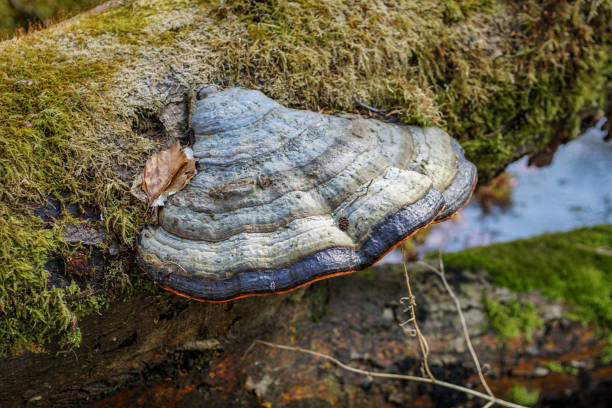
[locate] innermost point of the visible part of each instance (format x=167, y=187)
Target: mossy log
x=85, y=102
x=152, y=352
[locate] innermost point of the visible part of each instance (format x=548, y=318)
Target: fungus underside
x=499, y=84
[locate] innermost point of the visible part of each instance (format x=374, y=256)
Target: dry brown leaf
x=182, y=178
x=161, y=169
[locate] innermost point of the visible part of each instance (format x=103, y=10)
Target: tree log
x=85, y=102
x=175, y=352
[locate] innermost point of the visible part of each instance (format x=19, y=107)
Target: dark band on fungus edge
x=458, y=193
x=327, y=262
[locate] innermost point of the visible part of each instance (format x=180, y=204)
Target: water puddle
x=574, y=191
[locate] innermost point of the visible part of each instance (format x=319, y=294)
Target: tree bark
x=175, y=352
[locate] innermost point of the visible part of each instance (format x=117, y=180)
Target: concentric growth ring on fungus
x=285, y=197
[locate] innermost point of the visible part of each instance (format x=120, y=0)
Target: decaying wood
x=156, y=352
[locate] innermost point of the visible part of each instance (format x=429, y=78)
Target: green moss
x=458, y=10
x=45, y=152
x=319, y=298
x=49, y=149
x=528, y=114
x=128, y=25
x=606, y=352
x=524, y=396
x=124, y=24
x=509, y=319
x=564, y=266
x=557, y=367
x=573, y=267
x=430, y=63
x=535, y=92
x=370, y=274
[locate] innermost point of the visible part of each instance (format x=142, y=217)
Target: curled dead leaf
x=160, y=169
x=165, y=173
x=182, y=178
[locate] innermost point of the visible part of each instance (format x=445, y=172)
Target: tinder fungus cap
x=284, y=197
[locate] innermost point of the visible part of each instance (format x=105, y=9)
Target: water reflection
x=574, y=191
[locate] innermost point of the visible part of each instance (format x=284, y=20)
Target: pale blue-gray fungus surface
x=284, y=197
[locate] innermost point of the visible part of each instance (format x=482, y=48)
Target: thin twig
x=371, y=109
x=248, y=350
x=423, y=346
x=347, y=367
x=411, y=304
x=466, y=335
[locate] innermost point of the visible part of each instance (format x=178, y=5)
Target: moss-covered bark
x=83, y=103
x=575, y=266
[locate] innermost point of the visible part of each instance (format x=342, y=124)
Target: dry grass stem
x=441, y=274
x=489, y=398
x=411, y=304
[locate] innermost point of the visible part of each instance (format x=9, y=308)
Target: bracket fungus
x=285, y=197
